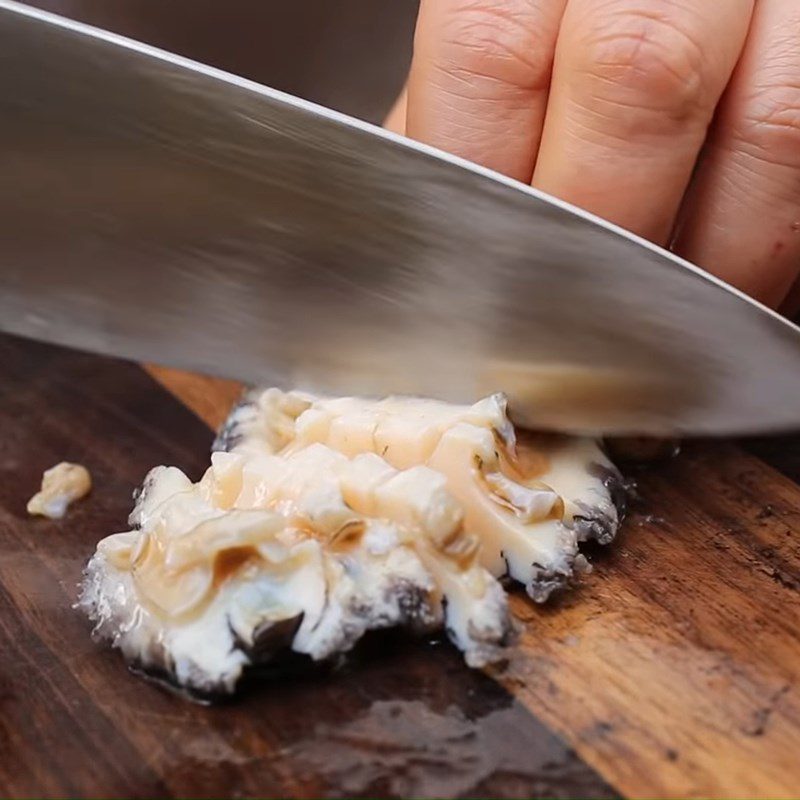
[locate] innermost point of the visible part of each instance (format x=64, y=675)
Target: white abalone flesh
x=320, y=519
x=61, y=486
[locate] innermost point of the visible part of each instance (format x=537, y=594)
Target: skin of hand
x=676, y=119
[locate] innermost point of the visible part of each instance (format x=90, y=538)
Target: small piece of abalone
x=320, y=519
x=62, y=485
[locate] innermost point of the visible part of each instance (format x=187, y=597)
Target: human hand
x=676, y=119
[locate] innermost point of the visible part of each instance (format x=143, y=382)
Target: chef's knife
x=158, y=209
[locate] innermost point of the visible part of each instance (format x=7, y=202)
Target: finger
x=396, y=118
x=635, y=84
x=742, y=216
x=479, y=79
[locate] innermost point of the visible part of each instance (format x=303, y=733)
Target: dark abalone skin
x=546, y=582
x=230, y=433
x=594, y=523
x=271, y=643
x=269, y=639
x=508, y=637
x=616, y=486
x=414, y=604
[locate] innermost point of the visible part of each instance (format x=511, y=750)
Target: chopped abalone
x=320, y=519
x=62, y=485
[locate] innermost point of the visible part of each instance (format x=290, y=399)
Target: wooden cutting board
x=672, y=670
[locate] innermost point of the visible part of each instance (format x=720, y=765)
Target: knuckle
x=498, y=40
x=770, y=130
x=646, y=65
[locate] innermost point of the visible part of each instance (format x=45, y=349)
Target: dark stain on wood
x=398, y=718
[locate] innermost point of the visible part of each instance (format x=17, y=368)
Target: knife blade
x=158, y=209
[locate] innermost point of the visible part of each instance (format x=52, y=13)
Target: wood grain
x=674, y=669
x=399, y=718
